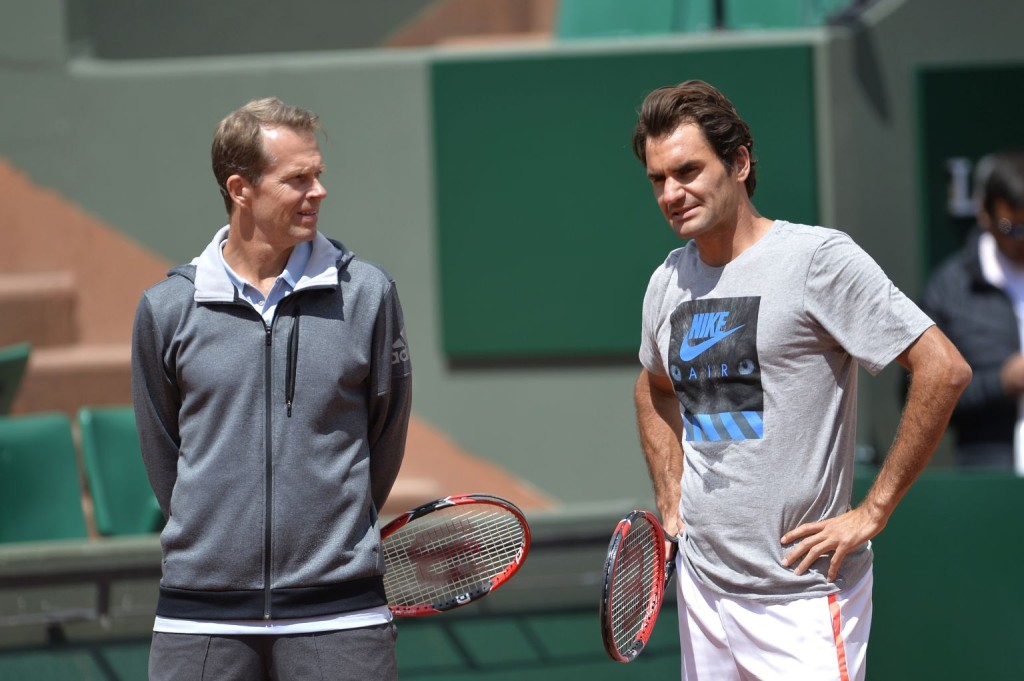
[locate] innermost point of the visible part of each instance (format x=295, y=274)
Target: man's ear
x=741, y=163
x=239, y=190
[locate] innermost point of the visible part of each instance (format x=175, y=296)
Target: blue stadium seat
x=608, y=18
x=579, y=19
x=758, y=14
x=40, y=492
x=13, y=360
x=123, y=501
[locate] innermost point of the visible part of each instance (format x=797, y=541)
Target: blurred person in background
x=977, y=298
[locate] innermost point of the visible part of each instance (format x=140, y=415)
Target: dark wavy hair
x=697, y=102
x=238, y=142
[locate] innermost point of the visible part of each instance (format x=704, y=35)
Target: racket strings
x=425, y=563
x=636, y=584
x=450, y=553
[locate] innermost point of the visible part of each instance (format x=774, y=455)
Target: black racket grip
x=670, y=560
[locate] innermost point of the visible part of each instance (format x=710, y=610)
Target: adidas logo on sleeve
x=400, y=349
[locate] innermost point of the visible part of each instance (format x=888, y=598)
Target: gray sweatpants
x=347, y=655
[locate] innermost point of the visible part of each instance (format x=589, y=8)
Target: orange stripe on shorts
x=837, y=634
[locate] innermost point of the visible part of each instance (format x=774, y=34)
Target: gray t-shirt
x=763, y=355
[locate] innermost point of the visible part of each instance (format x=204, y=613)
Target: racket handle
x=670, y=561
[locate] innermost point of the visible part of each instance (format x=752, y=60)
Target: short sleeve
x=650, y=352
x=850, y=296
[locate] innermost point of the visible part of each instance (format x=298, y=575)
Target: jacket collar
x=213, y=285
x=972, y=260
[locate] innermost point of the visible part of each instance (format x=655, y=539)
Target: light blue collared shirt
x=283, y=285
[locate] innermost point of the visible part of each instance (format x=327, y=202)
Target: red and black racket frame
x=497, y=580
x=664, y=569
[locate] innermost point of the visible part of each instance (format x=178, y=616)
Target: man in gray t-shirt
x=752, y=335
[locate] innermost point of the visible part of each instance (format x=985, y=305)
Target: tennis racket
x=451, y=552
x=636, y=573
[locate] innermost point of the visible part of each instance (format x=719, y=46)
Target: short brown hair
x=697, y=102
x=238, y=142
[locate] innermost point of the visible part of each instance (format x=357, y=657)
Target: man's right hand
x=1012, y=375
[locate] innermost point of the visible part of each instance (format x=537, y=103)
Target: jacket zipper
x=293, y=351
x=267, y=535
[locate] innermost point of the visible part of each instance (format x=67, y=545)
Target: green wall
x=547, y=229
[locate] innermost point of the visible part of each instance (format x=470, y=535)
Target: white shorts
x=824, y=638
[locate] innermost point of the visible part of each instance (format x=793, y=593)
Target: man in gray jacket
x=271, y=382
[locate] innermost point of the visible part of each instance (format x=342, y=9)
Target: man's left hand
x=836, y=537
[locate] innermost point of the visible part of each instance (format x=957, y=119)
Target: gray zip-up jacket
x=271, y=448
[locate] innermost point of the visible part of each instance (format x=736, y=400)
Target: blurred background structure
x=479, y=149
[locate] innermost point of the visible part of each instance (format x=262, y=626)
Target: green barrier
x=551, y=646
x=947, y=595
x=946, y=600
